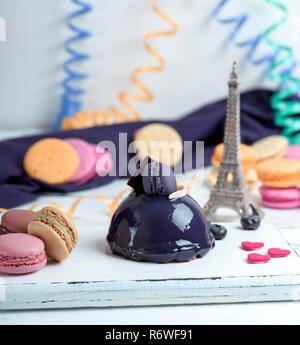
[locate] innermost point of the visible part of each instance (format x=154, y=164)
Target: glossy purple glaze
x=156, y=228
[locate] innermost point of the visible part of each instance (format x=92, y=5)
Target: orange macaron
x=279, y=172
x=51, y=160
x=249, y=156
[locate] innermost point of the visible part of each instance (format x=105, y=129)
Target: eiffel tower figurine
x=231, y=195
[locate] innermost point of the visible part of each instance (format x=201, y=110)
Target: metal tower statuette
x=231, y=195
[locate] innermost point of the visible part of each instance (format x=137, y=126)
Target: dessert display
x=28, y=237
x=21, y=253
x=160, y=142
x=158, y=221
x=57, y=231
x=71, y=160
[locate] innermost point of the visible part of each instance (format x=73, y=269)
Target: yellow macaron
x=160, y=142
x=273, y=146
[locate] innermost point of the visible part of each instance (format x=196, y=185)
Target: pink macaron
x=281, y=198
x=87, y=158
x=16, y=221
x=21, y=253
x=104, y=163
x=293, y=152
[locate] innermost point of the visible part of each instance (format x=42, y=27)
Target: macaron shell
x=278, y=168
x=86, y=160
x=273, y=146
x=23, y=269
x=55, y=246
x=159, y=179
x=282, y=183
x=22, y=248
x=280, y=194
x=66, y=218
x=51, y=160
x=279, y=172
x=159, y=133
x=16, y=221
x=20, y=245
x=281, y=204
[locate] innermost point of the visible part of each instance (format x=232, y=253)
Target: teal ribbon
x=280, y=66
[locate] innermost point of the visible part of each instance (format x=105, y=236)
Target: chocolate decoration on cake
x=157, y=221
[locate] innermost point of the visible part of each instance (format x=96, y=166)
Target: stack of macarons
x=249, y=158
x=28, y=238
x=281, y=182
x=72, y=160
x=278, y=169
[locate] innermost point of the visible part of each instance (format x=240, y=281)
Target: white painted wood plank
x=93, y=277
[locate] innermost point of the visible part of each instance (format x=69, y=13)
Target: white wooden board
x=93, y=277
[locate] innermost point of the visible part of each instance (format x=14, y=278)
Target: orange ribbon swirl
x=113, y=114
x=111, y=205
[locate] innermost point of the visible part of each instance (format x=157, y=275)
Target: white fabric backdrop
x=198, y=58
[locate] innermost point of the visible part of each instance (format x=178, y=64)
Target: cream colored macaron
x=274, y=146
x=160, y=142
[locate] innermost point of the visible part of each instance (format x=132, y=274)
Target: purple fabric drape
x=204, y=124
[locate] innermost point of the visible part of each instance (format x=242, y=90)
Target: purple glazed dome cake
x=157, y=222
